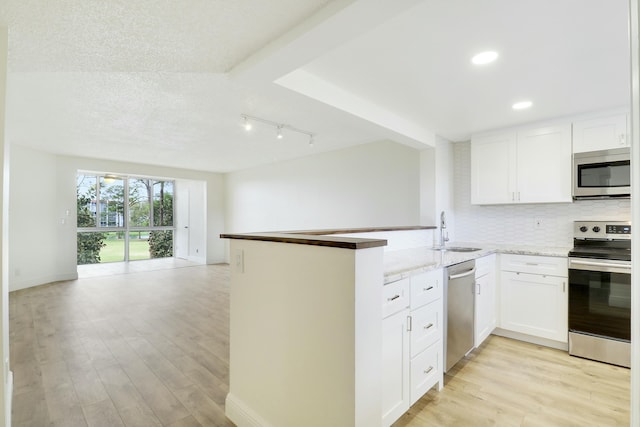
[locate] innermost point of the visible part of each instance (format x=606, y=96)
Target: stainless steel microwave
x=602, y=174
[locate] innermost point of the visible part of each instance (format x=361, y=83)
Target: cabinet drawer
x=485, y=265
x=426, y=287
x=533, y=264
x=426, y=326
x=426, y=371
x=395, y=297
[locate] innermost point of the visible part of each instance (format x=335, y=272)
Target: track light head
x=247, y=124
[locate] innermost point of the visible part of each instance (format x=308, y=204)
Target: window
x=123, y=218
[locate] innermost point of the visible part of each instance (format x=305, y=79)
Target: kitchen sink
x=457, y=249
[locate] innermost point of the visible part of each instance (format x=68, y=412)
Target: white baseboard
x=241, y=415
x=531, y=339
x=15, y=285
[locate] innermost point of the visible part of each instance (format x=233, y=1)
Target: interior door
x=182, y=220
x=190, y=222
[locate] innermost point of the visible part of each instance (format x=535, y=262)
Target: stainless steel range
x=600, y=291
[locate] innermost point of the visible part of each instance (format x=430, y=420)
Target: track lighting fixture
x=279, y=127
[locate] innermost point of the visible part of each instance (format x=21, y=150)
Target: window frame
x=125, y=228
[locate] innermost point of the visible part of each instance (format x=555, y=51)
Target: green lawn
x=114, y=250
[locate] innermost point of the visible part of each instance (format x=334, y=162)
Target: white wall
x=374, y=184
x=305, y=336
x=43, y=190
x=515, y=224
x=35, y=221
x=436, y=187
x=5, y=376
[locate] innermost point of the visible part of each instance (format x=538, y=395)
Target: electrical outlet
x=239, y=260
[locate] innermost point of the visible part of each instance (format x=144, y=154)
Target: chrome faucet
x=443, y=226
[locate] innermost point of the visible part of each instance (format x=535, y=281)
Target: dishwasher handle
x=461, y=275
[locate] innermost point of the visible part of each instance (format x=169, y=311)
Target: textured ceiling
x=165, y=83
x=144, y=35
x=188, y=120
x=145, y=81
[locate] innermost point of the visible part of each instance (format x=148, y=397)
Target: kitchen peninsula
x=306, y=322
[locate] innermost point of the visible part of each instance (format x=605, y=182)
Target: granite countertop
x=406, y=262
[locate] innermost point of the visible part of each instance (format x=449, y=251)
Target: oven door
x=600, y=298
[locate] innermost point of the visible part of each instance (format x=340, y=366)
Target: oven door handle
x=599, y=266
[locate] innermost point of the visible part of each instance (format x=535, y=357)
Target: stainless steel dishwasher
x=459, y=298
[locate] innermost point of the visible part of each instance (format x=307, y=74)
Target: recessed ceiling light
x=522, y=105
x=484, y=57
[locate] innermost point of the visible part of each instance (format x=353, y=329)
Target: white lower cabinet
x=395, y=366
x=485, y=301
x=533, y=303
x=412, y=338
x=426, y=370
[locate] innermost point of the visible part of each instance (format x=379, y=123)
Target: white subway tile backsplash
x=517, y=223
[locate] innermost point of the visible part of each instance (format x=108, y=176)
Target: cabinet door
x=395, y=367
x=534, y=264
x=544, y=165
x=426, y=370
x=395, y=297
x=600, y=134
x=485, y=309
x=426, y=287
x=493, y=169
x=534, y=304
x=426, y=326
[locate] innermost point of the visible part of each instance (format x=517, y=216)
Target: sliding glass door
x=124, y=218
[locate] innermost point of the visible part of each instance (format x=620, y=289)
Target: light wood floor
x=140, y=349
x=511, y=383
x=152, y=349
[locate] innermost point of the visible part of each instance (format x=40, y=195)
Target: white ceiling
x=165, y=83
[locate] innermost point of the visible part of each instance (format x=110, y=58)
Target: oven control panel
x=612, y=230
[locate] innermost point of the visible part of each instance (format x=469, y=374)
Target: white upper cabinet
x=600, y=133
x=493, y=166
x=529, y=165
x=544, y=165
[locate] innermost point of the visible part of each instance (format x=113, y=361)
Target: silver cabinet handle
x=478, y=284
x=409, y=323
x=430, y=325
x=428, y=370
x=427, y=289
x=393, y=298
